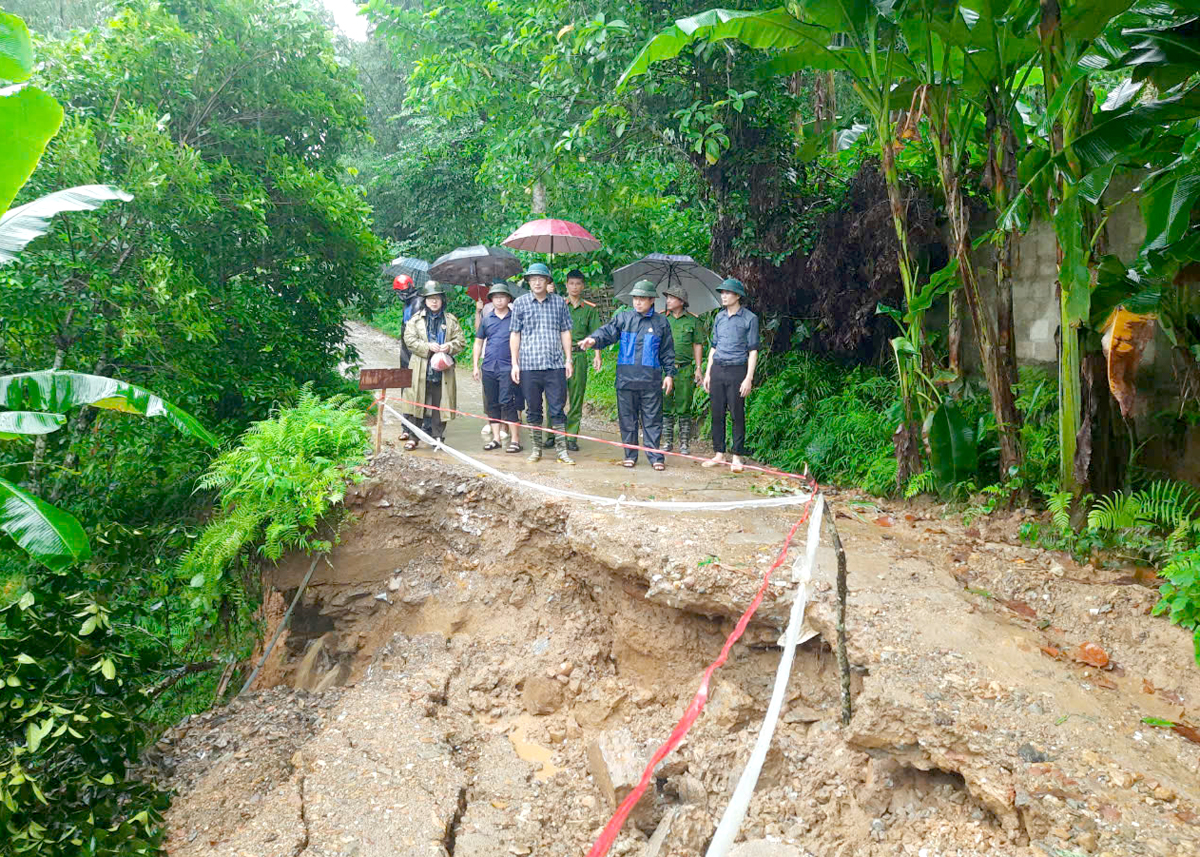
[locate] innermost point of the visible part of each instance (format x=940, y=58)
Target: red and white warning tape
x=609, y=834
x=783, y=474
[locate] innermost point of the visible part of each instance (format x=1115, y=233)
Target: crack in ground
x=303, y=846
x=455, y=820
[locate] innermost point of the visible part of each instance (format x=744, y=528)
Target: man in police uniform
x=688, y=332
x=585, y=317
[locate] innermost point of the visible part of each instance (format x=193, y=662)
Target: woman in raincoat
x=434, y=337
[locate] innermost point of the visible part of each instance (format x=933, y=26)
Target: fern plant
x=1059, y=504
x=274, y=490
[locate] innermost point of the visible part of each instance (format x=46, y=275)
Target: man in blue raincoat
x=645, y=370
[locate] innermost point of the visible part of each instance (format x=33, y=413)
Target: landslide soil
x=489, y=658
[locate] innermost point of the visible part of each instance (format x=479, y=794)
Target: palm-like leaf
x=15, y=424
x=776, y=28
x=58, y=392
x=48, y=534
x=16, y=49
x=25, y=222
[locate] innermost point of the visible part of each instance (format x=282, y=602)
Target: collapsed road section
x=478, y=671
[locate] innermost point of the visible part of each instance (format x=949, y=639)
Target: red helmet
x=402, y=282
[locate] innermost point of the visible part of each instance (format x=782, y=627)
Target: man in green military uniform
x=688, y=331
x=585, y=317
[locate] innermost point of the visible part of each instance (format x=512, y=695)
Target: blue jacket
x=646, y=352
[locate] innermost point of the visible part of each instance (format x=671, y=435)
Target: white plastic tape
x=666, y=505
x=735, y=813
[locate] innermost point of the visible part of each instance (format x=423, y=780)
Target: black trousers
x=645, y=407
x=548, y=383
x=499, y=396
x=432, y=422
x=724, y=382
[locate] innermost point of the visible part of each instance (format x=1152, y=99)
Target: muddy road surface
x=483, y=670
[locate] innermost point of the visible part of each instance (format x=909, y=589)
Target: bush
x=276, y=487
x=811, y=411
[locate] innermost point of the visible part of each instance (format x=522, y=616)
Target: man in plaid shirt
x=540, y=340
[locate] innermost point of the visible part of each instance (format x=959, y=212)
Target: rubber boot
x=535, y=448
x=685, y=435
x=668, y=433
x=549, y=439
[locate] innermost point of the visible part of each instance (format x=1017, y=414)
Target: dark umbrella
x=418, y=269
x=479, y=264
x=665, y=271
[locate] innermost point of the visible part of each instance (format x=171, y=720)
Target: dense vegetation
x=222, y=179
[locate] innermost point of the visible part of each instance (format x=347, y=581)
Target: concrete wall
x=1035, y=296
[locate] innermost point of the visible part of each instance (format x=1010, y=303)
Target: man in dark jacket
x=645, y=369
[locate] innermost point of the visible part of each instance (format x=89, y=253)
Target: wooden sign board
x=384, y=379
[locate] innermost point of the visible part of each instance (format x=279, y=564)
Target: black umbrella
x=477, y=264
x=418, y=269
x=671, y=271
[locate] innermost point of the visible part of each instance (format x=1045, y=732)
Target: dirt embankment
x=487, y=671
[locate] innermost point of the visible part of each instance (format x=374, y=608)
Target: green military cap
x=539, y=269
x=643, y=289
x=732, y=284
x=677, y=292
x=499, y=287
x=433, y=289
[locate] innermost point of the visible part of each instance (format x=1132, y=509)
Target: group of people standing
x=531, y=356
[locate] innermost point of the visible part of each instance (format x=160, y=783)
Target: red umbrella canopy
x=478, y=291
x=549, y=235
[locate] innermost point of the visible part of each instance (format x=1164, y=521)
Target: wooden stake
x=379, y=421
x=843, y=659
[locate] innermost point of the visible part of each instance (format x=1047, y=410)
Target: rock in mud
x=542, y=695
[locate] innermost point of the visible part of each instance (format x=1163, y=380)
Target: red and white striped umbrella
x=552, y=236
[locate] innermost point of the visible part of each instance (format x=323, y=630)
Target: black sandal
x=513, y=447
x=490, y=445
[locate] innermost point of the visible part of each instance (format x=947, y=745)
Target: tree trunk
x=1104, y=440
x=538, y=204
x=39, y=445
x=955, y=332
x=907, y=437
x=825, y=104
x=1004, y=407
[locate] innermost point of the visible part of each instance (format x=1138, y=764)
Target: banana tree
x=1083, y=149
x=36, y=404
x=862, y=40
x=966, y=57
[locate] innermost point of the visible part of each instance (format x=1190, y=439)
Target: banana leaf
x=14, y=424
x=16, y=49
x=775, y=28
x=48, y=534
x=58, y=392
x=26, y=222
x=28, y=119
x=953, y=447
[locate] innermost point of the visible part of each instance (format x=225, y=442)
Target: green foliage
x=276, y=488
x=70, y=727
x=809, y=411
x=1180, y=599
